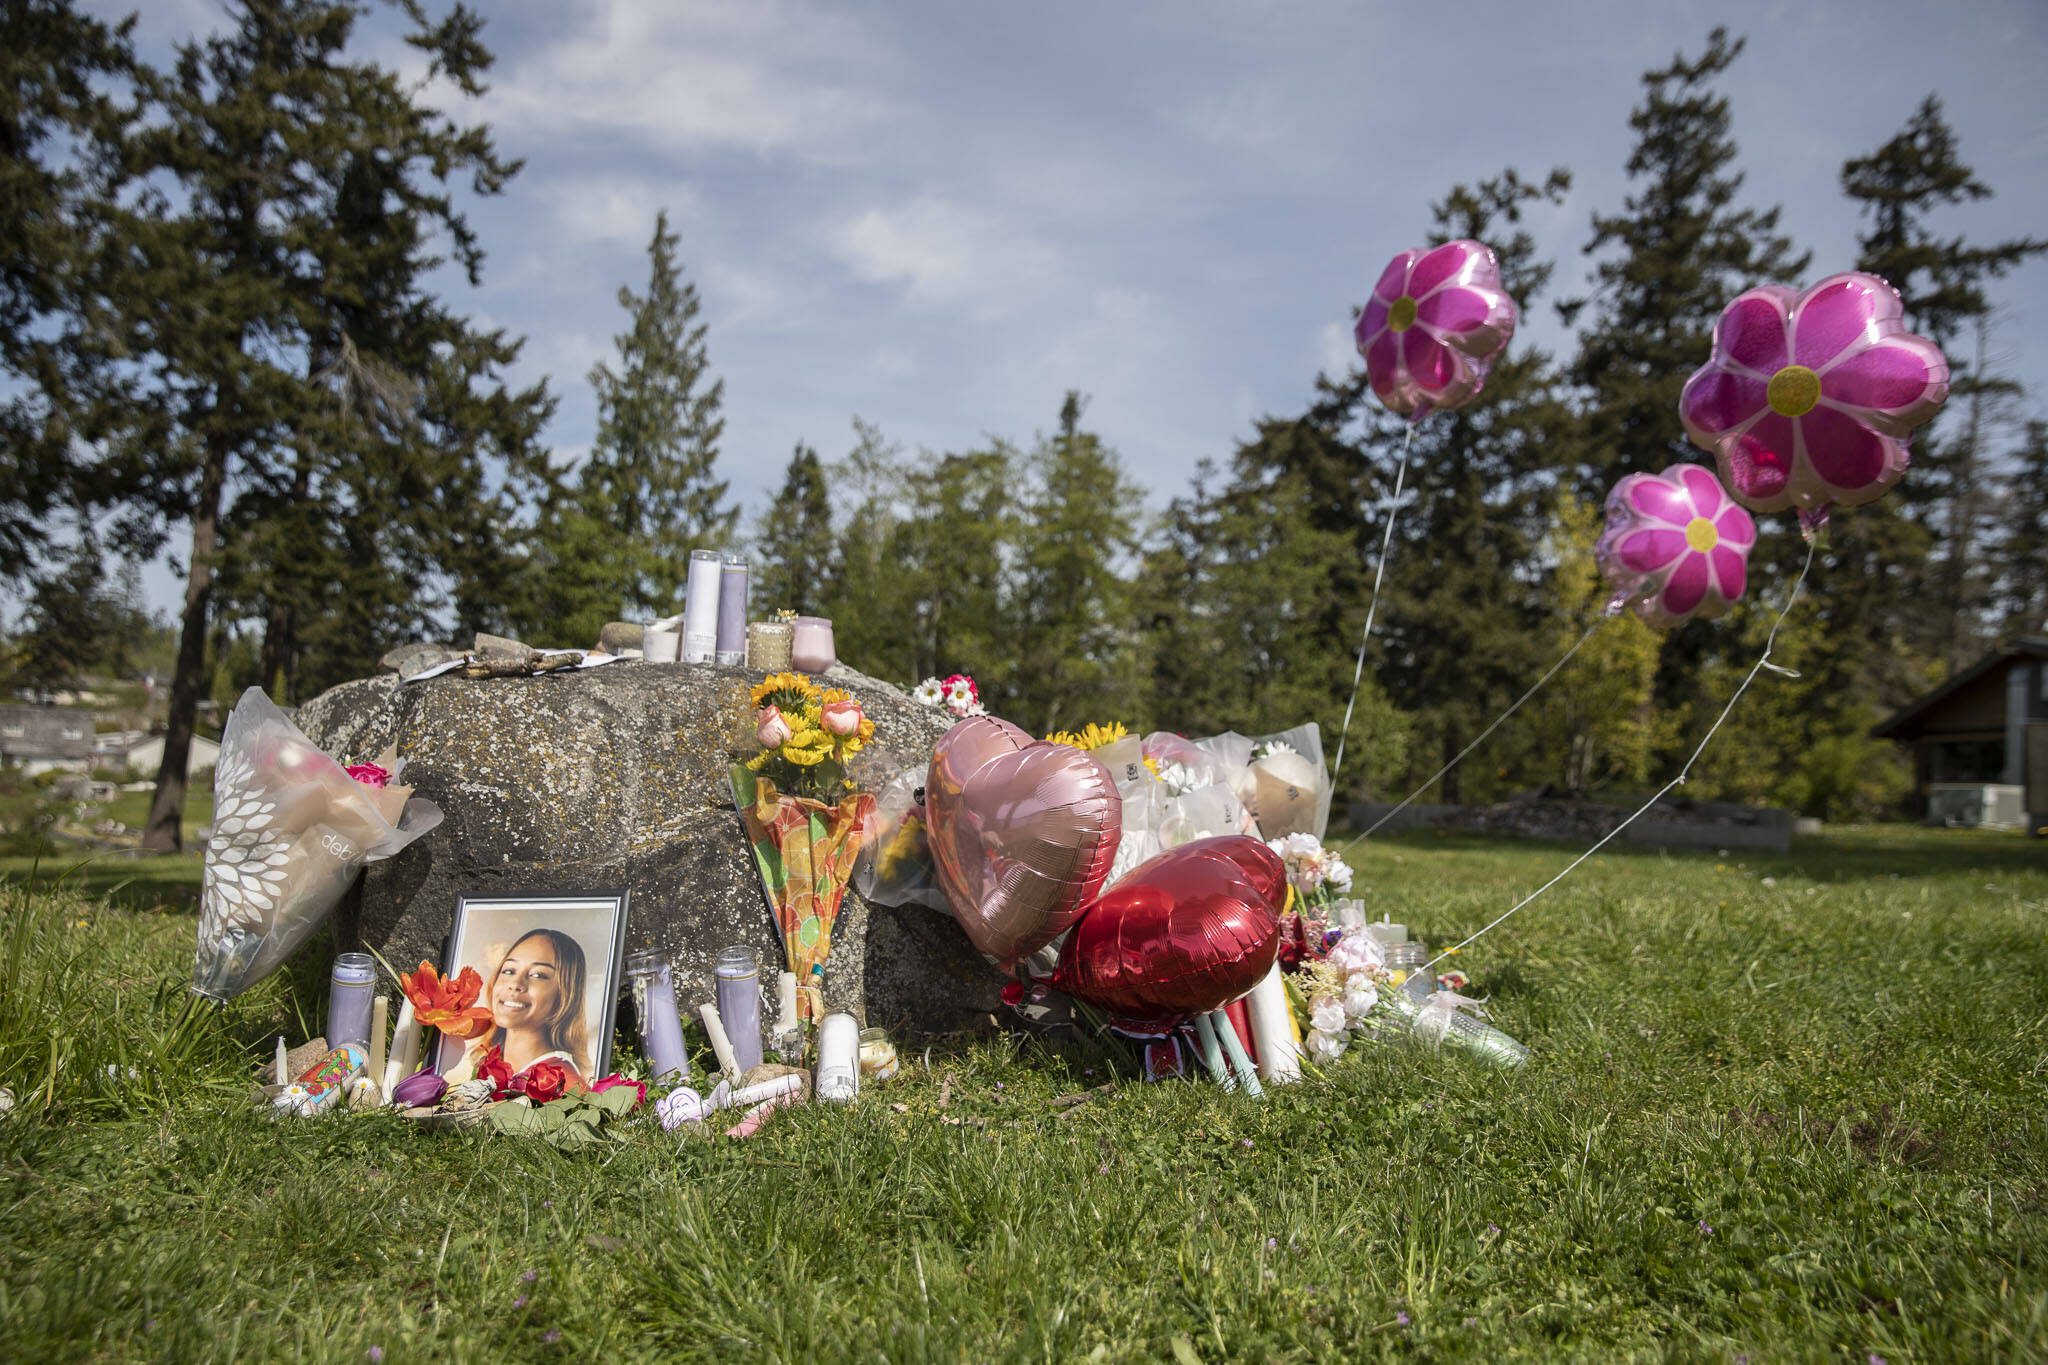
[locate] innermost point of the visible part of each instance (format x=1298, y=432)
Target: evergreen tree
x=2020, y=552
x=292, y=194
x=1681, y=248
x=65, y=79
x=1076, y=540
x=1944, y=283
x=793, y=540
x=869, y=596
x=652, y=474
x=949, y=557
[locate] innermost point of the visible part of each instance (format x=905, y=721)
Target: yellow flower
x=787, y=690
x=1094, y=737
x=808, y=747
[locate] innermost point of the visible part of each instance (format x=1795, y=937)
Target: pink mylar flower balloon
x=1436, y=322
x=1810, y=398
x=1676, y=545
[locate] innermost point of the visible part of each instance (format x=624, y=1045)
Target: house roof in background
x=2025, y=647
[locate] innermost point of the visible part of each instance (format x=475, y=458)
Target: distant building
x=1980, y=741
x=40, y=739
x=145, y=754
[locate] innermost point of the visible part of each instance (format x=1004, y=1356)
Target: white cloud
x=943, y=253
x=615, y=210
x=1336, y=349
x=771, y=76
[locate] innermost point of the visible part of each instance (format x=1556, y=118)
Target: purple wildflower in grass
x=375, y=1353
x=1876, y=1359
x=1272, y=1244
x=1705, y=1231
x=1245, y=1142
x=529, y=1276
x=1401, y=1318
x=519, y=1302
x=552, y=1335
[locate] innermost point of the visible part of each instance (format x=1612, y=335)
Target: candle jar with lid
x=1411, y=956
x=769, y=646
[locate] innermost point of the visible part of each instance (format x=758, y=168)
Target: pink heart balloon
x=1022, y=833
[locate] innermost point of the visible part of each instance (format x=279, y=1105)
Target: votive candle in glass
x=811, y=648
x=736, y=981
x=349, y=992
x=732, y=611
x=661, y=1028
x=768, y=646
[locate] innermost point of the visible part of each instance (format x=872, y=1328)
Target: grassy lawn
x=1776, y=1108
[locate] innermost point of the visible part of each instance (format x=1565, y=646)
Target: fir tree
x=793, y=540
x=652, y=474
x=1076, y=541
x=65, y=84
x=1944, y=283
x=292, y=196
x=1682, y=246
x=2020, y=552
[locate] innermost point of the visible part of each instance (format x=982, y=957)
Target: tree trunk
x=281, y=621
x=164, y=833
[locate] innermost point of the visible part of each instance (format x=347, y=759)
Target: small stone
x=619, y=636
x=499, y=647
x=407, y=660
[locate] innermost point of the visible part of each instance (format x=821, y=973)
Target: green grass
x=1800, y=1119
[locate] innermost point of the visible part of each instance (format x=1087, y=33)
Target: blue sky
x=941, y=216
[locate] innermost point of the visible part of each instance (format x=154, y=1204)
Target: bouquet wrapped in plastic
x=291, y=830
x=806, y=820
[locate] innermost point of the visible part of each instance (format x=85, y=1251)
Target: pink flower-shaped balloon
x=1436, y=322
x=1810, y=398
x=1676, y=545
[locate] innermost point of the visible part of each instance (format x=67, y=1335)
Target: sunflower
x=789, y=691
x=1094, y=737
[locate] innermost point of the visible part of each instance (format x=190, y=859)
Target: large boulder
x=616, y=777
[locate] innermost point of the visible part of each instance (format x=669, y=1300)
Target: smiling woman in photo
x=536, y=997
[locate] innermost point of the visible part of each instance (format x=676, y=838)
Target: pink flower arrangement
x=370, y=774
x=1810, y=398
x=1676, y=545
x=1435, y=323
x=957, y=693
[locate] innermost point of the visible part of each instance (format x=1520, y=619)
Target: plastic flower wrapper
x=1289, y=788
x=896, y=867
x=291, y=829
x=1351, y=996
x=804, y=817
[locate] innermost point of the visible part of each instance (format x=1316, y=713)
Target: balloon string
x=1763, y=662
x=1378, y=573
x=1497, y=722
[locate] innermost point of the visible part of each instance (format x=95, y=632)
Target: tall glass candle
x=732, y=611
x=700, y=608
x=736, y=981
x=837, y=1079
x=811, y=649
x=661, y=1028
x=349, y=992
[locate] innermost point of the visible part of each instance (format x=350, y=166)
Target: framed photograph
x=550, y=966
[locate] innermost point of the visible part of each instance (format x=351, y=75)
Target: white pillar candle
x=785, y=990
x=1273, y=1030
x=380, y=1029
x=405, y=1049
x=700, y=607
x=721, y=1046
x=283, y=1077
x=838, y=1075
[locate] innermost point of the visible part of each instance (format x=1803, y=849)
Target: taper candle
x=405, y=1049
x=785, y=997
x=380, y=1026
x=721, y=1046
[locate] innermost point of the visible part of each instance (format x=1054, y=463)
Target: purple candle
x=732, y=611
x=736, y=979
x=661, y=1030
x=348, y=999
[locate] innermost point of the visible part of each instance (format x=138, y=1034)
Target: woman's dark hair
x=565, y=1030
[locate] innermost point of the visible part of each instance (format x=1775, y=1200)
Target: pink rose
x=841, y=718
x=369, y=774
x=774, y=731
x=639, y=1088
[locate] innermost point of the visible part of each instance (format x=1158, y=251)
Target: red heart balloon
x=1022, y=833
x=1183, y=934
